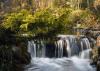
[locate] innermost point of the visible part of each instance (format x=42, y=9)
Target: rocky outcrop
x=13, y=58
x=96, y=57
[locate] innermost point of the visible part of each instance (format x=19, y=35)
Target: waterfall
x=66, y=46
x=85, y=43
x=86, y=48
x=81, y=45
x=86, y=54
x=73, y=46
x=36, y=48
x=60, y=48
x=66, y=54
x=32, y=48
x=43, y=49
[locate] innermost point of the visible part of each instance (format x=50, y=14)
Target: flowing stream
x=65, y=54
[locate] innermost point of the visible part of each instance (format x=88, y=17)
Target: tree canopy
x=40, y=17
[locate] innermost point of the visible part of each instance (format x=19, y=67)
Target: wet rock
x=13, y=58
x=96, y=57
x=21, y=57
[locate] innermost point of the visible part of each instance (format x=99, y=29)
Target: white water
x=32, y=48
x=68, y=48
x=86, y=42
x=59, y=64
x=60, y=48
x=39, y=62
x=85, y=54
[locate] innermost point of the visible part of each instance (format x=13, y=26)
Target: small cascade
x=81, y=43
x=85, y=54
x=60, y=48
x=32, y=48
x=68, y=48
x=65, y=54
x=86, y=49
x=43, y=49
x=85, y=43
x=73, y=46
x=65, y=46
x=36, y=48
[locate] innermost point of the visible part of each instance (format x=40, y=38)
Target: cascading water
x=59, y=64
x=85, y=49
x=68, y=48
x=73, y=45
x=60, y=55
x=36, y=48
x=60, y=48
x=85, y=43
x=85, y=54
x=32, y=48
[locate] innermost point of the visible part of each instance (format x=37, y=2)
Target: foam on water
x=59, y=64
